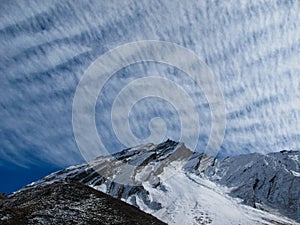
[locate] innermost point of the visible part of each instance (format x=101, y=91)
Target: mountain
x=69, y=202
x=179, y=186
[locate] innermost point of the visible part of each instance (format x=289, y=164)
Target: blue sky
x=252, y=49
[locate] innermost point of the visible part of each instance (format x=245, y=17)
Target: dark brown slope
x=69, y=203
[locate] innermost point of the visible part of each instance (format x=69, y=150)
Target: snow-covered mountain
x=179, y=186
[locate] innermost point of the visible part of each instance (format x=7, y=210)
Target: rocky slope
x=69, y=202
x=177, y=185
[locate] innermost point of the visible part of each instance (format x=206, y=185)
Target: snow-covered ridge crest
x=129, y=167
x=178, y=185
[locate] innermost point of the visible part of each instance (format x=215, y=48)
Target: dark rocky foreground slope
x=69, y=202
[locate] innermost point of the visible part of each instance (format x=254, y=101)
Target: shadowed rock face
x=271, y=180
x=69, y=202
